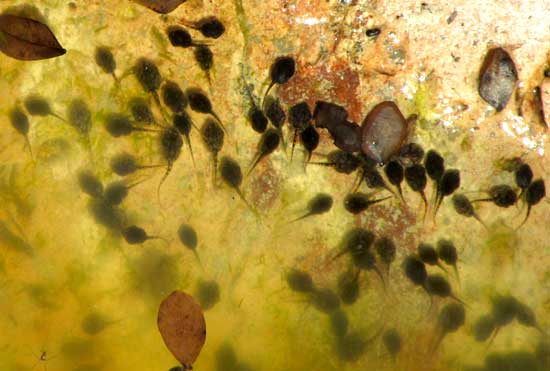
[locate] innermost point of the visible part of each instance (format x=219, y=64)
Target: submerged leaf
x=497, y=78
x=182, y=326
x=27, y=39
x=161, y=6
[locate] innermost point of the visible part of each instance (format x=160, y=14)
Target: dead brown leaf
x=26, y=39
x=161, y=6
x=182, y=327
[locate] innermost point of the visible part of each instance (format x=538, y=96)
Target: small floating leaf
x=182, y=326
x=27, y=39
x=497, y=78
x=161, y=6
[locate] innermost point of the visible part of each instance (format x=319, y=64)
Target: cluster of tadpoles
x=504, y=196
x=349, y=344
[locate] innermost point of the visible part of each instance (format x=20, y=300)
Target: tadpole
x=325, y=300
x=267, y=145
x=446, y=251
x=106, y=215
x=180, y=37
x=257, y=119
x=429, y=255
x=210, y=27
x=319, y=204
x=37, y=105
x=205, y=59
x=415, y=175
x=199, y=102
x=501, y=195
x=213, y=137
x=117, y=191
x=20, y=122
x=463, y=206
x=232, y=175
x=523, y=176
x=415, y=270
x=449, y=183
x=124, y=164
x=411, y=153
x=483, y=327
x=310, y=140
x=386, y=250
x=140, y=111
x=437, y=285
x=148, y=75
x=207, y=294
x=526, y=316
x=348, y=287
x=299, y=281
x=533, y=195
x=170, y=149
x=451, y=317
x=282, y=70
x=188, y=237
x=134, y=235
x=275, y=112
x=173, y=97
x=339, y=323
x=90, y=184
x=395, y=174
x=392, y=341
x=342, y=162
x=299, y=117
x=358, y=202
x=183, y=123
x=118, y=125
x=106, y=61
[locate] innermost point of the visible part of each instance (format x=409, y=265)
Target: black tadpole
x=415, y=176
x=342, y=162
x=386, y=250
x=358, y=202
x=524, y=177
x=90, y=184
x=170, y=149
x=319, y=204
x=533, y=195
x=415, y=270
x=451, y=317
x=199, y=102
x=501, y=195
x=395, y=174
x=148, y=75
x=299, y=117
x=139, y=108
x=115, y=192
x=310, y=140
x=429, y=255
x=449, y=182
x=20, y=122
x=213, y=137
x=183, y=123
x=446, y=251
x=135, y=235
x=205, y=59
x=210, y=27
x=282, y=69
x=268, y=143
x=173, y=97
x=180, y=37
x=231, y=174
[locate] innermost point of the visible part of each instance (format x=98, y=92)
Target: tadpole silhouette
x=319, y=204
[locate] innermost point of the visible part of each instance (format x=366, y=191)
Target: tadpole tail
x=425, y=200
x=198, y=258
x=481, y=221
x=208, y=78
x=257, y=158
x=219, y=120
x=301, y=217
x=253, y=209
x=526, y=217
x=437, y=342
x=188, y=141
x=456, y=298
x=438, y=201
x=28, y=144
x=442, y=267
x=267, y=92
x=381, y=277
x=455, y=268
x=150, y=166
x=308, y=158
x=283, y=142
x=372, y=202
x=168, y=168
x=400, y=191
x=293, y=144
x=135, y=128
x=58, y=116
x=492, y=338
x=214, y=168
x=357, y=183
x=117, y=81
x=481, y=200
x=323, y=163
